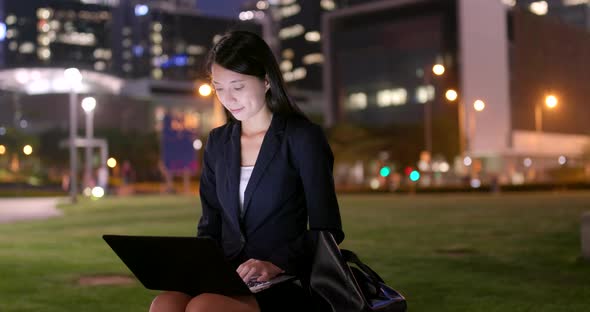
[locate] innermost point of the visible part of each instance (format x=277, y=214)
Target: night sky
x=228, y=8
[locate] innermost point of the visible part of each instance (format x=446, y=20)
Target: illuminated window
x=424, y=94
x=44, y=13
x=539, y=7
x=195, y=49
x=157, y=73
x=313, y=36
x=288, y=54
x=156, y=38
x=11, y=20
x=313, y=58
x=291, y=31
x=299, y=73
x=395, y=97
x=26, y=48
x=288, y=11
x=262, y=5
x=575, y=2
x=328, y=5
x=286, y=65
x=43, y=53
x=100, y=66
x=357, y=101
x=43, y=40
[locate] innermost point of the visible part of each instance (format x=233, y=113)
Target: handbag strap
x=350, y=256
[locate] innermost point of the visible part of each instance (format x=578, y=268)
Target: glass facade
x=384, y=63
x=116, y=37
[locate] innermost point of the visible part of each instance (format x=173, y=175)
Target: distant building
x=378, y=72
x=151, y=52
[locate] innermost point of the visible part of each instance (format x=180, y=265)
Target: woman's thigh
x=170, y=301
x=214, y=302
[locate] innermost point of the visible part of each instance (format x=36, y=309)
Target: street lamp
x=451, y=95
x=438, y=70
x=551, y=102
x=478, y=106
x=28, y=150
x=88, y=104
x=205, y=90
x=74, y=79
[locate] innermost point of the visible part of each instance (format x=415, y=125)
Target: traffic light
x=385, y=171
x=414, y=176
x=408, y=170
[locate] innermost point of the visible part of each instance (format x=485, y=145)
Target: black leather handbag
x=340, y=282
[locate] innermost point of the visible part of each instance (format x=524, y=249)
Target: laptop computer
x=187, y=264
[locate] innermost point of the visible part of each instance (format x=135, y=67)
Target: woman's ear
x=266, y=84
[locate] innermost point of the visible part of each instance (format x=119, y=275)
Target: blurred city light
x=28, y=150
x=423, y=165
x=527, y=162
x=2, y=31
x=408, y=170
x=141, y=10
x=2, y=131
x=262, y=5
x=562, y=160
x=444, y=167
x=205, y=89
x=438, y=69
x=509, y=2
x=414, y=176
x=551, y=101
x=197, y=144
x=539, y=7
x=479, y=105
x=88, y=104
x=73, y=75
x=451, y=95
x=385, y=171
x=475, y=183
x=112, y=162
x=2, y=149
x=97, y=192
x=23, y=123
x=87, y=192
x=375, y=184
x=467, y=161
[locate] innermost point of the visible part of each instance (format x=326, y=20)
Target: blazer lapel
x=232, y=156
x=270, y=146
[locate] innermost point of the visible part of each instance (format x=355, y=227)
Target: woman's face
x=242, y=95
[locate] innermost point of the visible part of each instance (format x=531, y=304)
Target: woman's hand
x=263, y=270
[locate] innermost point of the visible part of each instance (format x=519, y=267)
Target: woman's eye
x=238, y=88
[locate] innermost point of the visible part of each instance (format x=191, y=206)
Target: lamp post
x=551, y=102
x=74, y=78
x=88, y=104
x=438, y=70
x=478, y=106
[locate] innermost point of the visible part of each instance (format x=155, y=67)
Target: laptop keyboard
x=254, y=283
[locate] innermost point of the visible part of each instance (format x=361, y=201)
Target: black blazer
x=291, y=184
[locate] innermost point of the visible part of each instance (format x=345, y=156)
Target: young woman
x=267, y=174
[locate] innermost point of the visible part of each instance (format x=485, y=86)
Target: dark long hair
x=246, y=53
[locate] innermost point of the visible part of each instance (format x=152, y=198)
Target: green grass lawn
x=515, y=252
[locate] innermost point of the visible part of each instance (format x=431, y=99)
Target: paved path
x=19, y=209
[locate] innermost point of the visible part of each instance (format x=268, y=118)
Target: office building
x=504, y=64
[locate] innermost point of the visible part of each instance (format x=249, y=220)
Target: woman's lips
x=236, y=110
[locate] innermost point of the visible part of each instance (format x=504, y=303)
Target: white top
x=245, y=174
